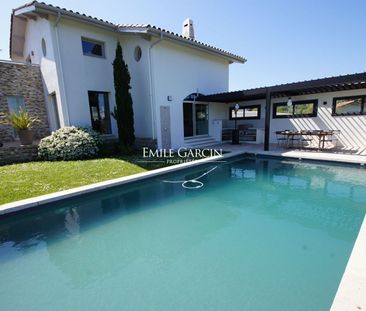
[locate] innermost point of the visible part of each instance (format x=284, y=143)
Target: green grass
x=26, y=180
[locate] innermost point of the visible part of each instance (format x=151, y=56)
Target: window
x=44, y=47
x=92, y=48
x=137, y=53
x=54, y=118
x=15, y=102
x=298, y=109
x=99, y=112
x=346, y=106
x=247, y=112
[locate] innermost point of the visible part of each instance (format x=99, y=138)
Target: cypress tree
x=123, y=111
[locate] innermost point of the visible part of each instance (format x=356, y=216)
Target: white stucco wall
x=86, y=73
x=179, y=71
x=176, y=71
x=140, y=85
x=83, y=73
x=35, y=31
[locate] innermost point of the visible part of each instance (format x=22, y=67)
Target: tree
x=123, y=111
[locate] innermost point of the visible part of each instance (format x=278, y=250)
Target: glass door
x=188, y=119
x=201, y=113
x=99, y=112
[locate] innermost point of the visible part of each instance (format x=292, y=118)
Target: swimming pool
x=261, y=234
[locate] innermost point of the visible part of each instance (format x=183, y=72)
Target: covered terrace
x=325, y=91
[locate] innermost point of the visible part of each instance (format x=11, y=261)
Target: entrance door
x=201, y=119
x=195, y=118
x=188, y=119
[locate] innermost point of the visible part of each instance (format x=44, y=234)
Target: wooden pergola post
x=267, y=120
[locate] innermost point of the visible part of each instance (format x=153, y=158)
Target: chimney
x=187, y=30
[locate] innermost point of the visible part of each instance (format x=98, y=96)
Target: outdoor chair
x=294, y=139
x=333, y=138
x=306, y=138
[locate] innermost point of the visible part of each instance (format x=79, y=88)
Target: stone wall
x=18, y=79
x=17, y=154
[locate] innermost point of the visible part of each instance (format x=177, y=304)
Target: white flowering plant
x=70, y=143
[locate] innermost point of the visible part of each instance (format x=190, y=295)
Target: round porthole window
x=44, y=48
x=137, y=53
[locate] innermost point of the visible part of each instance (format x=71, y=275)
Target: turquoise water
x=259, y=235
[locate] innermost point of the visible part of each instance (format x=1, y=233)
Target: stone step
x=197, y=138
x=198, y=142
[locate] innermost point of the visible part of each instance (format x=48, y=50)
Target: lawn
x=26, y=180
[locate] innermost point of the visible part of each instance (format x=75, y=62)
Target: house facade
x=75, y=55
x=179, y=85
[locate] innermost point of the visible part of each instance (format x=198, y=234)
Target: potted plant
x=22, y=122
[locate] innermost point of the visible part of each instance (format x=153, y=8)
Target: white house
x=179, y=85
x=75, y=53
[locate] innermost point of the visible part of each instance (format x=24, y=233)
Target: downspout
x=64, y=106
x=152, y=102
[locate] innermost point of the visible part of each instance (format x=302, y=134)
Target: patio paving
x=338, y=156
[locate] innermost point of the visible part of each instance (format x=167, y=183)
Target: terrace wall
x=18, y=154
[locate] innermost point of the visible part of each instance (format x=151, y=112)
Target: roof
x=41, y=7
x=323, y=85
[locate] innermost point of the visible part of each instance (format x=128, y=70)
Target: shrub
x=69, y=143
x=123, y=111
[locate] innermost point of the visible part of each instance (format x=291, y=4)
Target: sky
x=283, y=40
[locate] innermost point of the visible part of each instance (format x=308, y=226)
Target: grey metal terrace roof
x=329, y=84
x=134, y=28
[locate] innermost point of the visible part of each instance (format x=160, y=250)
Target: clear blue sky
x=283, y=40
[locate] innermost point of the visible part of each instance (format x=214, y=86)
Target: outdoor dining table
x=291, y=136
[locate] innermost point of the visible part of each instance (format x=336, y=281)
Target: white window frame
x=95, y=42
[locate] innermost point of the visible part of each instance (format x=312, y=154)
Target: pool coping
x=360, y=160
x=351, y=293
x=352, y=288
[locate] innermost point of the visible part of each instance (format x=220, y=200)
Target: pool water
x=261, y=234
